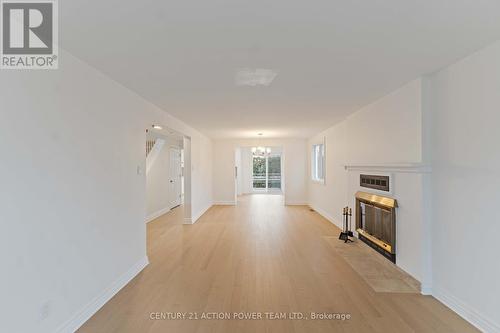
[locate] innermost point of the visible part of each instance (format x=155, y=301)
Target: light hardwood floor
x=259, y=256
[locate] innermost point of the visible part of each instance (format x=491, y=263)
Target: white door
x=175, y=185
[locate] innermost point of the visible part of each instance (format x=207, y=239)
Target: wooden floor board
x=260, y=256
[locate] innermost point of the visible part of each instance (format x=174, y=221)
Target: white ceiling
x=332, y=56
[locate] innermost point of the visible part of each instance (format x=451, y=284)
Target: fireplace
x=376, y=223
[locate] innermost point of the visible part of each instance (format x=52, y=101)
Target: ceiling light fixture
x=261, y=151
x=157, y=127
x=254, y=77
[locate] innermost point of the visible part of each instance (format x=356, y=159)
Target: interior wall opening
x=259, y=170
x=166, y=179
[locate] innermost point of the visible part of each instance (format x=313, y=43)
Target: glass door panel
x=259, y=173
x=267, y=173
x=274, y=172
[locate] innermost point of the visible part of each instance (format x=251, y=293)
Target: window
x=318, y=163
x=274, y=172
x=259, y=173
x=267, y=173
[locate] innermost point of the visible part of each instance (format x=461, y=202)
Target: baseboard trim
x=426, y=290
x=224, y=203
x=201, y=213
x=192, y=220
x=157, y=214
x=465, y=311
x=296, y=203
x=78, y=319
x=325, y=215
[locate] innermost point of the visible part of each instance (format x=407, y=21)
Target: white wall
x=238, y=164
x=465, y=186
x=201, y=175
x=157, y=183
x=71, y=141
x=246, y=170
x=294, y=168
x=388, y=131
x=382, y=138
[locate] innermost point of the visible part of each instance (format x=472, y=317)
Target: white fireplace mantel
x=397, y=167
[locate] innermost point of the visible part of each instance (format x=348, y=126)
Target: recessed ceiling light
x=158, y=127
x=254, y=77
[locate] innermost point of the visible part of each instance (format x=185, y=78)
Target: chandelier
x=261, y=151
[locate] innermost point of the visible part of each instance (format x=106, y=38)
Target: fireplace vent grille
x=376, y=182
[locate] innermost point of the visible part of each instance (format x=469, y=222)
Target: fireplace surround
x=376, y=223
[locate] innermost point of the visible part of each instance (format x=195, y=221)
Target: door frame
x=180, y=177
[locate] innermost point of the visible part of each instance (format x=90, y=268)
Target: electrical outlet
x=45, y=309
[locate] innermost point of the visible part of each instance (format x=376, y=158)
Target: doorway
x=167, y=180
x=259, y=171
x=175, y=177
x=266, y=175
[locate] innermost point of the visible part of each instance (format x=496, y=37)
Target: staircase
x=153, y=148
x=149, y=146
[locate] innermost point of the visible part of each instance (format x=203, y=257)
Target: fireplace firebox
x=376, y=223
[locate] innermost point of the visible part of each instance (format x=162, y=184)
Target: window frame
x=318, y=154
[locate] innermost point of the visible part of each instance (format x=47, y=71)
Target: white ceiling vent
x=254, y=77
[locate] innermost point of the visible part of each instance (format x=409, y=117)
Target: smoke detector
x=254, y=77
